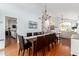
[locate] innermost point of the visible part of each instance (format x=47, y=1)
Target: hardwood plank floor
x=59, y=50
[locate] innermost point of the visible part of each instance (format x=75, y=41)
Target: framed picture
x=32, y=25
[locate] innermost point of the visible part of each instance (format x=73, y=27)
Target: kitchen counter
x=75, y=44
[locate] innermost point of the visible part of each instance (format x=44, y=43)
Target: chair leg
x=29, y=51
x=52, y=45
x=55, y=43
x=34, y=53
x=43, y=51
x=19, y=52
x=48, y=48
x=23, y=52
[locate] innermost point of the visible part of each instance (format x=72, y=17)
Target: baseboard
x=74, y=55
x=2, y=49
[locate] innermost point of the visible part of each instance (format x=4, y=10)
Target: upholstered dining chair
x=35, y=33
x=29, y=34
x=39, y=45
x=54, y=38
x=22, y=45
x=51, y=39
x=48, y=38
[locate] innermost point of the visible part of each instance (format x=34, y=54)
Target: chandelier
x=44, y=17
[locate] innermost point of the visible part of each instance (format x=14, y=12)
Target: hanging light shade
x=44, y=17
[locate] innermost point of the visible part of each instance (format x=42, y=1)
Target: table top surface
x=33, y=37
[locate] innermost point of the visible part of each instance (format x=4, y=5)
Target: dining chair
x=54, y=38
x=22, y=45
x=39, y=45
x=35, y=33
x=29, y=34
x=48, y=38
x=39, y=33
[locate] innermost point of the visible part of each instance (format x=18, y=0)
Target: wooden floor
x=59, y=50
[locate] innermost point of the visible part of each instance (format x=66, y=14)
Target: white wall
x=2, y=33
x=22, y=20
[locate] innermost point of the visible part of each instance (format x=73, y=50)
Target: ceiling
x=68, y=9
x=52, y=7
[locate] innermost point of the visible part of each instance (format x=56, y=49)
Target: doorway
x=10, y=31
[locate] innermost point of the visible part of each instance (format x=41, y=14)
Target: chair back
x=29, y=34
x=21, y=42
x=53, y=37
x=35, y=33
x=47, y=37
x=40, y=42
x=39, y=33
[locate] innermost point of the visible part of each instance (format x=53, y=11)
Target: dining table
x=33, y=39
